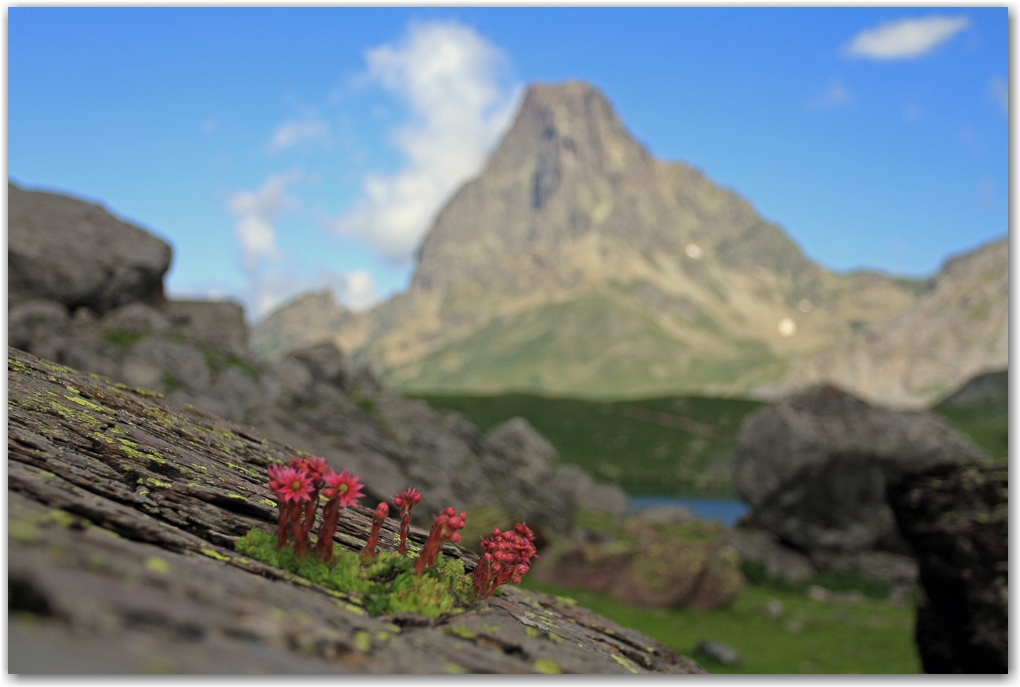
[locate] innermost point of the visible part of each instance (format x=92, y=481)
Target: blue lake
x=726, y=511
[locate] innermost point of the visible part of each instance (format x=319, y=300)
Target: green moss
x=388, y=585
x=122, y=339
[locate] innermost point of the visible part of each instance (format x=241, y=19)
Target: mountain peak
x=572, y=118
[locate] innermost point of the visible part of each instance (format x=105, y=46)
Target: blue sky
x=281, y=150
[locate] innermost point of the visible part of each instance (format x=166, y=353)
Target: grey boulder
x=814, y=467
x=78, y=254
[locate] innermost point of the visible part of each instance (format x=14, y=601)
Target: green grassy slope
x=871, y=636
x=661, y=446
x=600, y=345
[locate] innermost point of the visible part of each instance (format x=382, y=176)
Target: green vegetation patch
x=808, y=636
x=388, y=585
x=675, y=445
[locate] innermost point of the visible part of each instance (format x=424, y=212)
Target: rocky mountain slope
x=123, y=510
x=959, y=328
x=577, y=263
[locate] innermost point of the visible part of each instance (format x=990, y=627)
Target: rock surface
x=123, y=508
x=956, y=518
x=112, y=262
x=814, y=466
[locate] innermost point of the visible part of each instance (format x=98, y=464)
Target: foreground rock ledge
x=122, y=512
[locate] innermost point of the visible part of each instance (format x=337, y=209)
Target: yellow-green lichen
x=626, y=663
x=46, y=473
x=363, y=641
x=547, y=667
x=215, y=554
x=82, y=402
x=460, y=631
x=158, y=483
x=237, y=496
x=22, y=531
x=247, y=471
x=157, y=565
x=268, y=502
x=454, y=669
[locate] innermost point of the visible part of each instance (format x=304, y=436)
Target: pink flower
x=407, y=499
x=344, y=486
x=292, y=485
x=316, y=469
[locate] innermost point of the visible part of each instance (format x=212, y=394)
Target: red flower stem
x=330, y=517
x=309, y=515
x=405, y=529
x=368, y=553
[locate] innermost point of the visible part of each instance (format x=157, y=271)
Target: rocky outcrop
x=650, y=567
x=956, y=518
x=617, y=274
x=123, y=508
x=311, y=319
x=959, y=328
x=79, y=255
x=987, y=393
x=197, y=353
x=814, y=469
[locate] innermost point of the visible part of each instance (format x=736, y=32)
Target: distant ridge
x=578, y=264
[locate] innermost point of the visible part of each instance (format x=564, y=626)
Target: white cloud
x=296, y=131
x=834, y=95
x=907, y=38
x=270, y=289
x=449, y=76
x=256, y=213
x=273, y=276
x=999, y=92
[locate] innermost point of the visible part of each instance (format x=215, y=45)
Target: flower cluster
x=297, y=486
x=443, y=529
x=505, y=558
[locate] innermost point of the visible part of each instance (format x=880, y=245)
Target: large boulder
x=814, y=468
x=957, y=521
x=78, y=254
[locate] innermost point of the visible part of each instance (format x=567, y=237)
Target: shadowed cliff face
x=123, y=508
x=578, y=263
